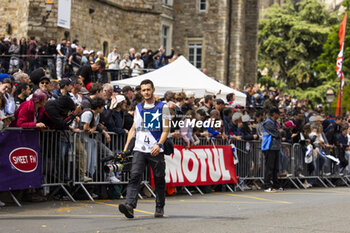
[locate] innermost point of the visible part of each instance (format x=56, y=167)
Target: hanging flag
x=340, y=60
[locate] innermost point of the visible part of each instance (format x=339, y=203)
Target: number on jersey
x=147, y=140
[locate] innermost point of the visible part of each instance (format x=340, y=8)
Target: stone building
x=218, y=35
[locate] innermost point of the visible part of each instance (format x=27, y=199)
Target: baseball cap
x=189, y=94
x=289, y=124
x=319, y=118
x=246, y=118
x=126, y=89
x=220, y=101
x=319, y=106
x=3, y=76
x=144, y=50
x=312, y=118
x=86, y=52
x=116, y=88
x=43, y=78
x=236, y=116
x=202, y=112
x=120, y=98
x=65, y=82
x=256, y=96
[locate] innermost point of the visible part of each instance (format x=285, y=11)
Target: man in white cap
x=113, y=117
x=85, y=58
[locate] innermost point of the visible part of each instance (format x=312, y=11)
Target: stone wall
x=250, y=41
x=229, y=38
x=14, y=17
x=208, y=27
x=243, y=49
x=95, y=22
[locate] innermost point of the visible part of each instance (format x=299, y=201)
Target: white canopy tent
x=181, y=75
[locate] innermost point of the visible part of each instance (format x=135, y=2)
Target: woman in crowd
x=124, y=66
x=29, y=113
x=4, y=121
x=187, y=132
x=7, y=90
x=102, y=58
x=137, y=65
x=320, y=143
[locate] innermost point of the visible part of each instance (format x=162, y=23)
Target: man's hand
x=76, y=130
x=187, y=145
x=113, y=101
x=13, y=90
x=40, y=125
x=7, y=122
x=155, y=150
x=176, y=135
x=77, y=119
x=108, y=138
x=77, y=111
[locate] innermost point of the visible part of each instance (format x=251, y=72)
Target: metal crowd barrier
x=322, y=169
x=69, y=157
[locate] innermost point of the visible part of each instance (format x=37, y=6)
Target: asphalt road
x=314, y=210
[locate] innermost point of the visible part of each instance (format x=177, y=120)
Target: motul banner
x=200, y=165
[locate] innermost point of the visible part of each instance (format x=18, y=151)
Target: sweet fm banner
x=20, y=166
x=200, y=165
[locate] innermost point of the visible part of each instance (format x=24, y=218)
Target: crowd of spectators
x=45, y=93
x=66, y=58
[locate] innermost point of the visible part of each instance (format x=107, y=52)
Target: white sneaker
x=307, y=184
x=114, y=180
x=87, y=179
x=2, y=204
x=245, y=187
x=270, y=190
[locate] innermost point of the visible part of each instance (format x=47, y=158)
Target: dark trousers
x=114, y=75
x=271, y=168
x=139, y=162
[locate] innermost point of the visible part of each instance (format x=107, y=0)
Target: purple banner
x=20, y=162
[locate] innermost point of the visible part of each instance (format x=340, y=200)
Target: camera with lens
x=120, y=162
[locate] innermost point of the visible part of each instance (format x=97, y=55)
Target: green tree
x=291, y=38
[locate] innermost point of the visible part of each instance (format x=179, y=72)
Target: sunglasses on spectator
x=47, y=83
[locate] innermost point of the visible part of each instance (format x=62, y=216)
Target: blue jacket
x=273, y=129
x=113, y=120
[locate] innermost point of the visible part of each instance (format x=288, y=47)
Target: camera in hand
x=120, y=162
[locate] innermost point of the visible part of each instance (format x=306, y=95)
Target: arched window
x=105, y=48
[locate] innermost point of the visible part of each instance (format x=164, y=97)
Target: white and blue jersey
x=148, y=120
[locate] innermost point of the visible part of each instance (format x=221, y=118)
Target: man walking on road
x=271, y=146
x=151, y=128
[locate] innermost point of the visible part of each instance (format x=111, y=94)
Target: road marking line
x=137, y=210
x=258, y=198
x=59, y=215
x=306, y=193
